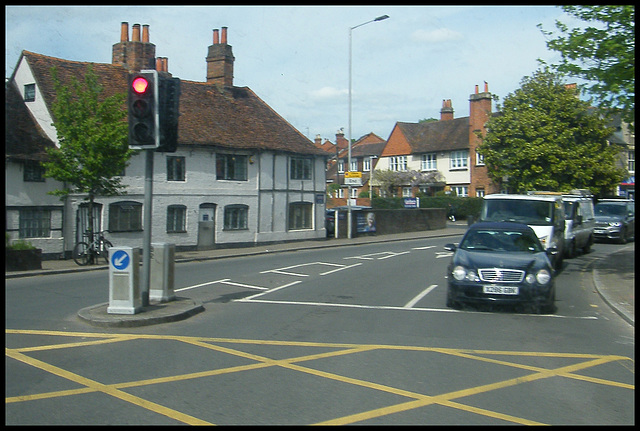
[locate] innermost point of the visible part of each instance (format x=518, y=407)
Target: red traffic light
x=140, y=85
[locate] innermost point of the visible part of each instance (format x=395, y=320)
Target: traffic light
x=169, y=112
x=144, y=127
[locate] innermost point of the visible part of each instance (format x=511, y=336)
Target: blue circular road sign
x=120, y=260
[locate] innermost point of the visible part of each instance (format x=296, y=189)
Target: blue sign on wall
x=120, y=260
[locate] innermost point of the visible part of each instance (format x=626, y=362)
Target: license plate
x=500, y=290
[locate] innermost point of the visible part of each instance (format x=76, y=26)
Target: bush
x=18, y=245
x=462, y=207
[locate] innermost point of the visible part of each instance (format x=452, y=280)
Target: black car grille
x=499, y=275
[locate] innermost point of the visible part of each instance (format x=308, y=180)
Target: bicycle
x=85, y=253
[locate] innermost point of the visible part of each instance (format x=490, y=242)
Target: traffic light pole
x=146, y=240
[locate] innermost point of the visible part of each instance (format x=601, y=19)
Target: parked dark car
x=615, y=220
x=501, y=263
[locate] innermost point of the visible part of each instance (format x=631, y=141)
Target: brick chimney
x=446, y=113
x=220, y=60
x=479, y=114
x=137, y=54
x=341, y=141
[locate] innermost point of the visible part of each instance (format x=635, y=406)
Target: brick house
x=241, y=175
x=447, y=146
x=364, y=155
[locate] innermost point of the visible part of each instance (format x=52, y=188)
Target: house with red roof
x=241, y=174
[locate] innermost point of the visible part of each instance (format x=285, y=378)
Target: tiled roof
x=24, y=139
x=437, y=136
x=229, y=117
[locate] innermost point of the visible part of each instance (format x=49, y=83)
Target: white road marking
x=424, y=293
x=200, y=285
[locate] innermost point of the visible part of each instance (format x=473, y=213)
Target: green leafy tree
x=389, y=180
x=603, y=54
x=93, y=140
x=546, y=138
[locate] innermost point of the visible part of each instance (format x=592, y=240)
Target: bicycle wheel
x=103, y=253
x=81, y=254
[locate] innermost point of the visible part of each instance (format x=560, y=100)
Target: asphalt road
x=348, y=335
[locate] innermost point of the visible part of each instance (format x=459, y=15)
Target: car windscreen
x=610, y=210
x=523, y=211
x=501, y=240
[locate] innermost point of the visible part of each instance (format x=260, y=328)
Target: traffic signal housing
x=169, y=113
x=144, y=124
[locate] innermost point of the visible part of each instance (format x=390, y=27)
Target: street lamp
x=349, y=226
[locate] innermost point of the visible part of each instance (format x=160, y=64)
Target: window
x=231, y=167
x=631, y=162
x=428, y=162
x=398, y=163
x=459, y=159
x=406, y=192
x=300, y=215
x=176, y=218
x=33, y=171
x=479, y=159
x=235, y=217
x=125, y=216
x=30, y=92
x=461, y=191
x=300, y=168
x=479, y=193
x=175, y=168
x=35, y=223
x=354, y=192
x=340, y=166
x=354, y=165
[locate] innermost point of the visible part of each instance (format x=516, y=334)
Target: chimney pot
x=135, y=35
x=145, y=33
x=216, y=37
x=124, y=32
x=223, y=38
x=486, y=87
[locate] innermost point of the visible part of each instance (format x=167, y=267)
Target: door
x=82, y=220
x=206, y=226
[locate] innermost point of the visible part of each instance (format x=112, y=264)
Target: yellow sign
x=353, y=174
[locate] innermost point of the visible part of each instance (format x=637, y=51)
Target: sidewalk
x=613, y=276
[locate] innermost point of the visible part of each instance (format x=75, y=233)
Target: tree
x=603, y=54
x=93, y=140
x=389, y=180
x=546, y=138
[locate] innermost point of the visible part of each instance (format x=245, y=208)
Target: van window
x=531, y=212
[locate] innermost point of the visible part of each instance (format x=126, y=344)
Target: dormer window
x=30, y=92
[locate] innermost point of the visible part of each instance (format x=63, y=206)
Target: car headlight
x=459, y=273
x=543, y=276
x=615, y=223
x=543, y=241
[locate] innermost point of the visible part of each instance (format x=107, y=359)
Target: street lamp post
x=349, y=222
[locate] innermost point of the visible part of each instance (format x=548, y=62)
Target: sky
x=296, y=58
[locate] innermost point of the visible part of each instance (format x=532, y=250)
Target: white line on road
x=424, y=293
x=202, y=284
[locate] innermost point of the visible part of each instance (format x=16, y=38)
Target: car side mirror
x=552, y=251
x=450, y=247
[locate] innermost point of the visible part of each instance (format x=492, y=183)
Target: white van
x=543, y=213
x=580, y=222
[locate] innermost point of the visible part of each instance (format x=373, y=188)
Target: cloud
x=438, y=35
x=326, y=93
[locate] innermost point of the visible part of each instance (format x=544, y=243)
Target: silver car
x=615, y=220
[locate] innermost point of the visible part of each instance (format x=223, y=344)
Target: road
x=348, y=335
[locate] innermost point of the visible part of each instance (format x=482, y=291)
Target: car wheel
x=451, y=303
x=623, y=236
x=548, y=307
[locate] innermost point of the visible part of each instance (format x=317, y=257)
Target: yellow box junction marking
x=293, y=363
